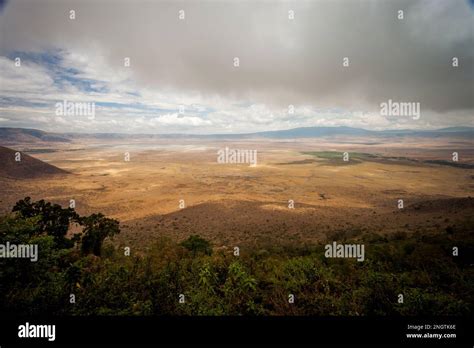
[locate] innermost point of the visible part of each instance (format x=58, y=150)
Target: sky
x=182, y=76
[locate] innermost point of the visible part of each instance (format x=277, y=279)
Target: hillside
x=28, y=168
x=9, y=136
x=22, y=135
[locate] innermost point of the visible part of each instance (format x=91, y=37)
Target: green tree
x=54, y=220
x=97, y=227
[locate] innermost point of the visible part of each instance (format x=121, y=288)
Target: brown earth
x=237, y=204
x=26, y=167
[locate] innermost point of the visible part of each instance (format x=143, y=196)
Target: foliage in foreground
x=105, y=281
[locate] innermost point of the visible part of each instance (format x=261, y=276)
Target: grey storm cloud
x=282, y=61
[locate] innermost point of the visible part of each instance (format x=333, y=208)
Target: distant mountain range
x=23, y=135
x=316, y=132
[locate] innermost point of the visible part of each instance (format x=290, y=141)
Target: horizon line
x=250, y=133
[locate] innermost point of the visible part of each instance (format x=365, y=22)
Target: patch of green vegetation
x=105, y=281
x=306, y=161
x=336, y=158
x=451, y=164
x=196, y=245
x=339, y=155
x=38, y=151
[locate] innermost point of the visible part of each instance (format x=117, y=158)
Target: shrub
x=196, y=245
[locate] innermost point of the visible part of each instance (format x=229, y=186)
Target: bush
x=432, y=281
x=196, y=245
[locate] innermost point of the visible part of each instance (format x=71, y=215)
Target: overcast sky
x=190, y=62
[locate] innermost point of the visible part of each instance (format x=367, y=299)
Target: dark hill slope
x=28, y=168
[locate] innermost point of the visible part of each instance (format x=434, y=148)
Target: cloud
x=190, y=62
x=175, y=119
